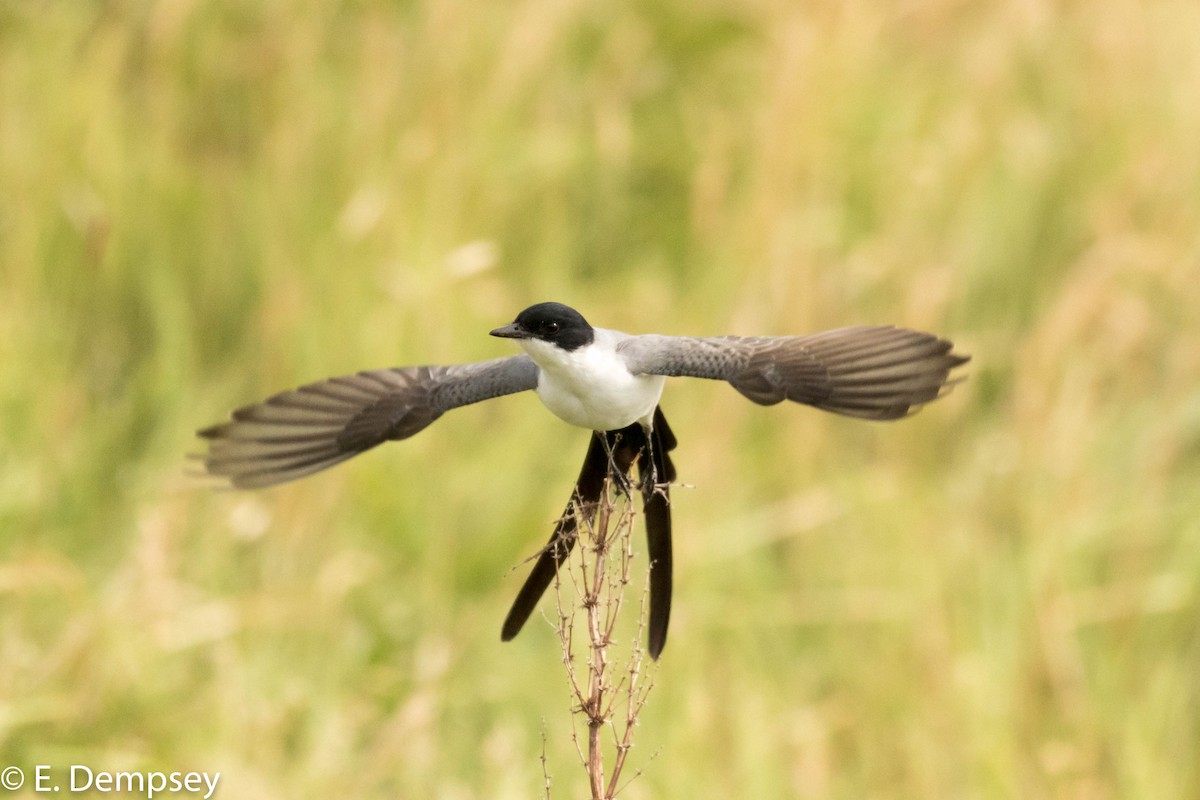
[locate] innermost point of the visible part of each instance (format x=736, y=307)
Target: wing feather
x=313, y=427
x=868, y=372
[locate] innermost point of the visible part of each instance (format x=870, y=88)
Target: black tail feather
x=656, y=471
x=588, y=487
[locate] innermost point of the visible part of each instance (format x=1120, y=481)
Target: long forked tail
x=657, y=471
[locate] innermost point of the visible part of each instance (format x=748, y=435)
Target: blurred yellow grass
x=202, y=203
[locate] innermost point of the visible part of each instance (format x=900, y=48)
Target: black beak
x=510, y=331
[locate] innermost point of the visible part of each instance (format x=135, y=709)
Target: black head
x=555, y=323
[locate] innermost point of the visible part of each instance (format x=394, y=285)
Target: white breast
x=591, y=387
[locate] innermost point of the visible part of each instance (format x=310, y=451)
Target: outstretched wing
x=305, y=430
x=868, y=372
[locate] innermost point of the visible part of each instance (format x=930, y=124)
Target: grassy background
x=202, y=203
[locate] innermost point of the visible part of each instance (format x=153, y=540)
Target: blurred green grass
x=202, y=203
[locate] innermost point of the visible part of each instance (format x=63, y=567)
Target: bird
x=602, y=380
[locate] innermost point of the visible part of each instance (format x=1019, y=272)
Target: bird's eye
x=551, y=327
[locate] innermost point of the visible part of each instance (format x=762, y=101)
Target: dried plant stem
x=598, y=663
x=599, y=573
x=545, y=765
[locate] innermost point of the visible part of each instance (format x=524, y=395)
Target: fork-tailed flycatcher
x=603, y=380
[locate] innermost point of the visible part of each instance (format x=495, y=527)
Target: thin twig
x=599, y=571
x=598, y=660
x=545, y=764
